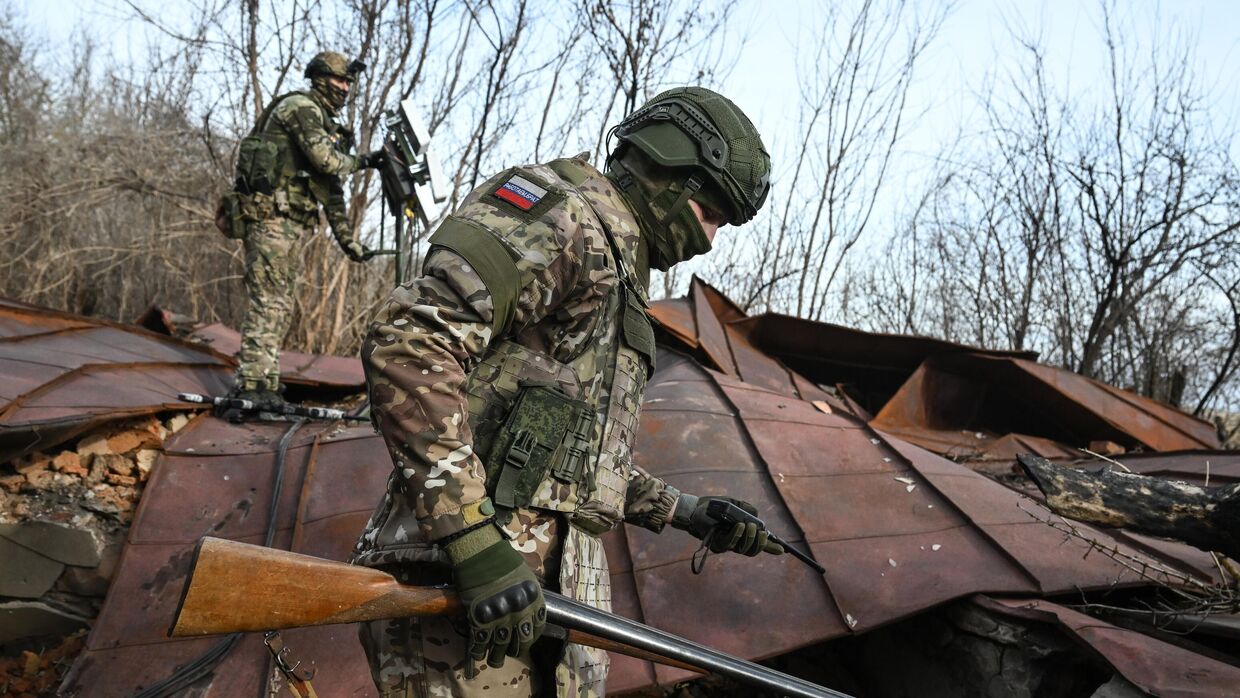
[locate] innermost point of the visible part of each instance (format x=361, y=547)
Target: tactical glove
x=502, y=598
x=744, y=538
x=355, y=250
x=374, y=158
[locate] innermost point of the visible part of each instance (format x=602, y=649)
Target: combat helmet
x=705, y=132
x=329, y=64
x=335, y=65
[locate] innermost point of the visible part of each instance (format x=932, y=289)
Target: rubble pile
x=878, y=453
x=64, y=517
x=37, y=673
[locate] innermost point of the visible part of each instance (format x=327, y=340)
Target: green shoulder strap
x=265, y=117
x=490, y=258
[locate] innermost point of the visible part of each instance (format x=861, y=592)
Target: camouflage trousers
x=271, y=267
x=425, y=657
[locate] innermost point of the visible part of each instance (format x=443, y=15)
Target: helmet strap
x=672, y=238
x=627, y=182
x=692, y=185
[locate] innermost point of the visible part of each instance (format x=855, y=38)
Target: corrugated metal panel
x=295, y=367
x=997, y=395
x=61, y=375
x=1160, y=668
x=899, y=528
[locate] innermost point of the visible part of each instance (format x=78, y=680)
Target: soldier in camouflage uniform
x=507, y=380
x=292, y=162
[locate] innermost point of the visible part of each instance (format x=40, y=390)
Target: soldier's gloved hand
x=745, y=538
x=374, y=158
x=502, y=598
x=355, y=250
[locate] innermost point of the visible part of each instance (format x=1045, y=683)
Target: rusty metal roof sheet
x=1003, y=395
x=953, y=399
x=1159, y=668
x=899, y=529
x=61, y=374
x=1196, y=467
x=64, y=375
x=215, y=478
x=295, y=367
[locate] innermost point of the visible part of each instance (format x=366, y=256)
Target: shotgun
x=237, y=587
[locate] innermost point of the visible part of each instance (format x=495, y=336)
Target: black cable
x=189, y=674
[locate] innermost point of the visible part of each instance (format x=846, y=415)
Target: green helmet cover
x=699, y=129
x=333, y=64
x=329, y=64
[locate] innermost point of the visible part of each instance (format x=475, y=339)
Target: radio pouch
x=547, y=434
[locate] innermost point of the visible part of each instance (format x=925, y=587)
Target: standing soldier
x=292, y=162
x=507, y=380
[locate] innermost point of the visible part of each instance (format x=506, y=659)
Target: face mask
x=652, y=193
x=332, y=95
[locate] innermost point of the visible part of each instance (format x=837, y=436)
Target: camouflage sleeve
x=338, y=213
x=304, y=121
x=418, y=354
x=649, y=501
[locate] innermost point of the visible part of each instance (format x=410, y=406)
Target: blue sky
x=974, y=40
x=974, y=43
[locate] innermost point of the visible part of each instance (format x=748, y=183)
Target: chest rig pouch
x=262, y=156
x=547, y=434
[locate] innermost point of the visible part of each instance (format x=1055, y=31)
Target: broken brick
x=1106, y=448
x=145, y=460
x=32, y=462
x=31, y=663
x=121, y=479
x=69, y=463
x=40, y=478
x=109, y=500
x=12, y=483
x=93, y=445
x=125, y=441
x=177, y=422
x=119, y=464
x=98, y=469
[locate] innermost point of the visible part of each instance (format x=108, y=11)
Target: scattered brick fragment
x=31, y=463
x=94, y=445
x=12, y=483
x=69, y=463
x=145, y=460
x=121, y=479
x=40, y=479
x=119, y=465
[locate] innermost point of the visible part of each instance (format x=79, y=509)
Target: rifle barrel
x=690, y=655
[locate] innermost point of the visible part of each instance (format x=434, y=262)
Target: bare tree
x=1099, y=231
x=857, y=72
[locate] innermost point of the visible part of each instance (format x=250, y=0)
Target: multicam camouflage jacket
x=305, y=166
x=514, y=367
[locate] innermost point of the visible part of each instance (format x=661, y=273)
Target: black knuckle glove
x=502, y=598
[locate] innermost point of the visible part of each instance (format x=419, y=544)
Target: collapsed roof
x=772, y=409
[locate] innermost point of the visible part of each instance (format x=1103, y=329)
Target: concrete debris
x=56, y=541
x=24, y=573
x=63, y=520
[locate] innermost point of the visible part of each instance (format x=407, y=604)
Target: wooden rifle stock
x=237, y=587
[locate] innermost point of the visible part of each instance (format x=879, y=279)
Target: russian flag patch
x=520, y=192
